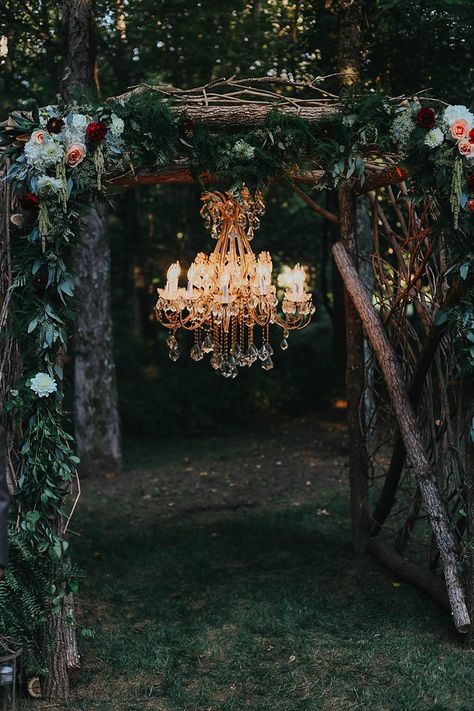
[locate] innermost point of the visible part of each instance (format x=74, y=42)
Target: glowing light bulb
x=298, y=279
x=172, y=276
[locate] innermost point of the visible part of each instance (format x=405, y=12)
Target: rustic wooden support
x=405, y=569
x=412, y=437
x=355, y=383
x=415, y=389
x=469, y=451
x=179, y=171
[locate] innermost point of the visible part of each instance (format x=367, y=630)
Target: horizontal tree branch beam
x=411, y=434
x=405, y=569
x=180, y=172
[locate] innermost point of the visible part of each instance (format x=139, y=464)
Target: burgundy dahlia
x=55, y=125
x=426, y=118
x=29, y=201
x=96, y=131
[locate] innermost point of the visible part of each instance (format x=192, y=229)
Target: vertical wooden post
x=355, y=383
x=469, y=451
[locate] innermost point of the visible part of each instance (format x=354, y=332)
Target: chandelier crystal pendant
x=230, y=302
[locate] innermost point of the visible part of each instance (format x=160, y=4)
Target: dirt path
x=290, y=459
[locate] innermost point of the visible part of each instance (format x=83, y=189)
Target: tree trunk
x=469, y=450
x=79, y=27
x=4, y=499
x=95, y=405
x=349, y=41
x=355, y=384
x=432, y=499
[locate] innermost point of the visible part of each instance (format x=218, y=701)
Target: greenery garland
x=59, y=157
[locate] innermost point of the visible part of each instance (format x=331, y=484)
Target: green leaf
x=32, y=325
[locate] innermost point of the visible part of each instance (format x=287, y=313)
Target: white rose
x=43, y=385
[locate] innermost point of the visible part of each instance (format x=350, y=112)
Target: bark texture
x=4, y=499
x=349, y=41
x=95, y=405
x=79, y=28
x=410, y=432
x=180, y=172
x=56, y=683
x=355, y=383
x=468, y=433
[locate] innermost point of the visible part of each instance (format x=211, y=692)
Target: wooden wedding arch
x=406, y=410
x=404, y=361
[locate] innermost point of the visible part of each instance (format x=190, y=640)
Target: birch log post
x=355, y=383
x=409, y=430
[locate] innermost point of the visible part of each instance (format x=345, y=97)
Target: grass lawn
x=220, y=577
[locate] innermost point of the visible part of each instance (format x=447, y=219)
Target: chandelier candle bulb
x=230, y=292
x=298, y=280
x=172, y=279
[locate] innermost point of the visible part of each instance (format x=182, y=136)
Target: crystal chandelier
x=230, y=302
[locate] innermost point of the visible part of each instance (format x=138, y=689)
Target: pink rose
x=459, y=129
x=75, y=154
x=466, y=148
x=38, y=136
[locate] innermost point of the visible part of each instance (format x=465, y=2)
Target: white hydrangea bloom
x=458, y=112
x=48, y=185
x=43, y=384
x=75, y=129
x=243, y=150
x=117, y=126
x=434, y=138
x=43, y=155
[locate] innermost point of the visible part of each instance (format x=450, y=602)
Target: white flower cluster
x=74, y=131
x=43, y=384
x=402, y=128
x=43, y=151
x=243, y=150
x=434, y=138
x=49, y=186
x=117, y=126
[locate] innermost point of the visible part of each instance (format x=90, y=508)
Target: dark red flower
x=470, y=181
x=471, y=135
x=55, y=125
x=470, y=205
x=96, y=131
x=29, y=201
x=426, y=118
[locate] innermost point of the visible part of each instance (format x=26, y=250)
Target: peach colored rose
x=466, y=148
x=459, y=129
x=75, y=154
x=38, y=136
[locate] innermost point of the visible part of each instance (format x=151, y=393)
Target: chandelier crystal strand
x=229, y=300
